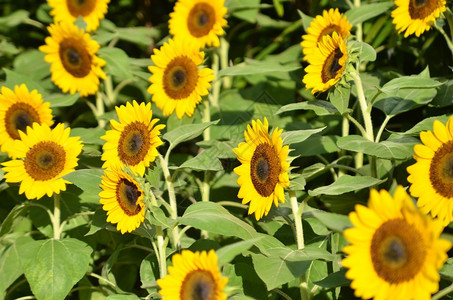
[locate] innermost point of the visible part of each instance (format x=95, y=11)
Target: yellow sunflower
x=200, y=21
x=326, y=63
x=91, y=11
x=432, y=174
x=415, y=16
x=18, y=110
x=325, y=24
x=263, y=173
x=194, y=275
x=132, y=141
x=45, y=156
x=122, y=198
x=395, y=251
x=74, y=65
x=177, y=82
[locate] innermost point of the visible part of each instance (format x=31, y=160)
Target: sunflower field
x=226, y=149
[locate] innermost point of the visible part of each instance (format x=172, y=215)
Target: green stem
x=214, y=96
x=162, y=252
x=381, y=129
x=224, y=48
x=100, y=110
x=109, y=93
x=443, y=292
x=56, y=216
x=366, y=111
x=444, y=34
x=359, y=33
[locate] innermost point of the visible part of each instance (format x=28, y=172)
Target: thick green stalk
x=56, y=216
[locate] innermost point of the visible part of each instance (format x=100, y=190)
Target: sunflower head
x=178, y=81
x=395, y=251
x=432, y=174
x=263, y=173
x=19, y=109
x=326, y=63
x=194, y=275
x=132, y=141
x=44, y=155
x=199, y=21
x=416, y=16
x=91, y=11
x=329, y=22
x=72, y=55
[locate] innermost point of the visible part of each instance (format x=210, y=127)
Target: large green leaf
x=13, y=78
x=118, y=63
x=426, y=124
x=32, y=63
x=413, y=82
x=53, y=267
x=332, y=221
x=345, y=184
x=59, y=100
x=87, y=180
x=319, y=107
x=334, y=280
x=257, y=67
x=340, y=98
x=367, y=11
x=14, y=18
x=206, y=160
x=298, y=136
x=229, y=252
x=89, y=135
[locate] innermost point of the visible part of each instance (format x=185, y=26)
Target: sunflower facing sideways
x=132, y=141
x=178, y=82
x=200, y=21
x=194, y=275
x=122, y=198
x=69, y=10
x=416, y=16
x=18, y=110
x=330, y=21
x=432, y=174
x=74, y=65
x=395, y=251
x=44, y=155
x=326, y=64
x=263, y=173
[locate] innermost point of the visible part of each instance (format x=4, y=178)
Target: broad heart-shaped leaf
x=340, y=98
x=319, y=107
x=250, y=67
x=53, y=267
x=59, y=100
x=118, y=63
x=206, y=160
x=345, y=184
x=229, y=252
x=387, y=149
x=212, y=217
x=365, y=12
x=332, y=221
x=87, y=180
x=186, y=132
x=298, y=136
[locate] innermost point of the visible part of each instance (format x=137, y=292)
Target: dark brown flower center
x=420, y=9
x=45, y=160
x=331, y=65
x=329, y=30
x=265, y=169
x=180, y=78
x=198, y=285
x=19, y=116
x=201, y=19
x=134, y=143
x=397, y=251
x=441, y=170
x=80, y=7
x=75, y=57
x=127, y=195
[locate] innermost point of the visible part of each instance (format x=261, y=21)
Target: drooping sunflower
x=72, y=55
x=432, y=174
x=122, y=198
x=194, y=275
x=177, y=82
x=330, y=21
x=415, y=16
x=18, y=110
x=132, y=141
x=44, y=155
x=263, y=173
x=395, y=251
x=200, y=21
x=326, y=63
x=69, y=10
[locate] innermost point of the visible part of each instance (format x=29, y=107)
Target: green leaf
x=447, y=269
x=53, y=267
x=340, y=98
x=404, y=100
x=89, y=135
x=345, y=184
x=99, y=221
x=366, y=51
x=426, y=124
x=118, y=63
x=319, y=107
x=298, y=136
x=306, y=20
x=206, y=160
x=444, y=95
x=227, y=253
x=59, y=100
x=367, y=11
x=87, y=180
x=138, y=35
x=387, y=149
x=332, y=221
x=32, y=63
x=15, y=18
x=316, y=145
x=413, y=82
x=186, y=133
x=246, y=10
x=13, y=215
x=250, y=67
x=122, y=297
x=333, y=280
x=13, y=78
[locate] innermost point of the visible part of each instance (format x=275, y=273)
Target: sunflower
x=326, y=63
x=132, y=141
x=71, y=53
x=18, y=110
x=432, y=174
x=91, y=11
x=200, y=21
x=177, y=82
x=45, y=156
x=122, y=198
x=194, y=275
x=263, y=173
x=395, y=250
x=325, y=24
x=416, y=16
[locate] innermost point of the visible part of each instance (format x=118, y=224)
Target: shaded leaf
x=334, y=280
x=186, y=133
x=345, y=184
x=367, y=11
x=118, y=63
x=227, y=253
x=332, y=221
